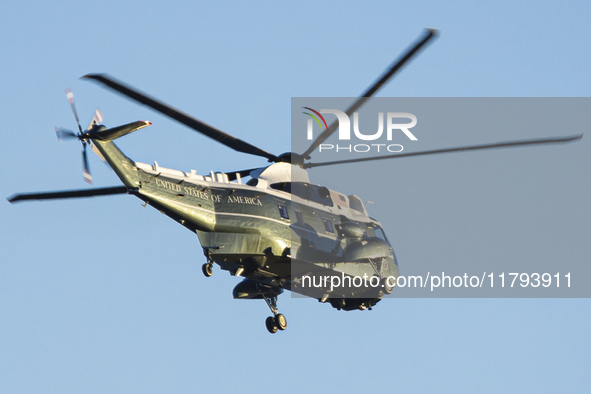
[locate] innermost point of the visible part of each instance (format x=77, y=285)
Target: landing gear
x=386, y=286
x=277, y=321
x=271, y=326
x=207, y=269
x=281, y=321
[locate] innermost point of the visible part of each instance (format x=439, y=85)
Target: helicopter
x=274, y=230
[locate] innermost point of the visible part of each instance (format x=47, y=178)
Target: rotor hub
x=292, y=158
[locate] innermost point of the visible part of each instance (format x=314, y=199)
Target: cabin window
x=356, y=203
x=278, y=186
x=328, y=226
x=283, y=211
x=319, y=194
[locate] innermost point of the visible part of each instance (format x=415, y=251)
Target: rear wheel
x=271, y=325
x=280, y=321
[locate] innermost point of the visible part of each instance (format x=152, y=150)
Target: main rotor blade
x=377, y=85
x=105, y=191
x=86, y=168
x=508, y=144
x=195, y=124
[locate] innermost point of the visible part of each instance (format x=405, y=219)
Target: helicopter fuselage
x=271, y=230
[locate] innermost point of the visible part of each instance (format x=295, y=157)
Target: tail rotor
x=65, y=134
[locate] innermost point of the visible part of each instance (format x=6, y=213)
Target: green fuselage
x=273, y=235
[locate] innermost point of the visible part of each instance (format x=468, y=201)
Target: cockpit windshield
x=373, y=230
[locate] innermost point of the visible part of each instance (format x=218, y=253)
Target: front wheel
x=386, y=287
x=207, y=269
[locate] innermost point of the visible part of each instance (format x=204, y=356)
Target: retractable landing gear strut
x=207, y=268
x=277, y=321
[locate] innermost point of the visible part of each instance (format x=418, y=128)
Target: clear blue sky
x=102, y=295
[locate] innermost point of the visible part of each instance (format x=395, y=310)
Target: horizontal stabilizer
x=105, y=191
x=116, y=132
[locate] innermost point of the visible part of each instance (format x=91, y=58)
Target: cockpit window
x=380, y=233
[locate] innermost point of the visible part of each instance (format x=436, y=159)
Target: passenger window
x=283, y=211
x=328, y=226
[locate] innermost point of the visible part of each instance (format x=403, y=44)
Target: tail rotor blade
x=96, y=119
x=87, y=176
x=70, y=96
x=65, y=134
